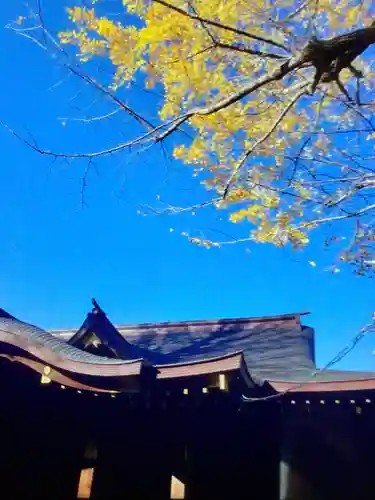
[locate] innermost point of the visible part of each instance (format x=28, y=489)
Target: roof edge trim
x=44, y=354
x=171, y=324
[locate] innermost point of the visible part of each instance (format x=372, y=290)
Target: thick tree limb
x=330, y=57
x=327, y=56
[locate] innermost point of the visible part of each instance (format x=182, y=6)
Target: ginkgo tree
x=275, y=100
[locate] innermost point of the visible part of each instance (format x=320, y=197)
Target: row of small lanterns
x=322, y=401
x=113, y=393
x=45, y=379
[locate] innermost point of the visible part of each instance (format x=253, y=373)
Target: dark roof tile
x=56, y=345
x=273, y=345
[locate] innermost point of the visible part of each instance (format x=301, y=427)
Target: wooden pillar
x=294, y=458
x=293, y=484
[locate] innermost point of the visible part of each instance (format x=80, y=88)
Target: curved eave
x=329, y=386
x=220, y=364
x=50, y=358
x=54, y=375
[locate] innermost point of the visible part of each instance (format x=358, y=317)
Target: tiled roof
x=98, y=323
x=277, y=346
x=273, y=346
x=37, y=349
x=277, y=349
x=21, y=330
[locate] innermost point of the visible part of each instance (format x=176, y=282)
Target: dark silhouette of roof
x=278, y=349
x=273, y=346
x=97, y=324
x=279, y=346
x=14, y=327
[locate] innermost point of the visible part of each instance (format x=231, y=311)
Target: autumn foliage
x=279, y=157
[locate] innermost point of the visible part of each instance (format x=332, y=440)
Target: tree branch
x=262, y=139
x=349, y=215
x=238, y=48
x=222, y=26
x=363, y=183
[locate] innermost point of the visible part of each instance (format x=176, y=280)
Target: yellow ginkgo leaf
x=267, y=151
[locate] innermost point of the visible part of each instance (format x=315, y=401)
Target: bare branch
x=295, y=13
x=177, y=210
x=349, y=215
x=91, y=119
x=355, y=189
x=111, y=95
x=75, y=71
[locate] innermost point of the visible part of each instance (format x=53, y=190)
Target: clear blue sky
x=54, y=255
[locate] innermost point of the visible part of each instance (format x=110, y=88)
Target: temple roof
x=98, y=326
x=39, y=350
x=273, y=346
x=278, y=350
x=21, y=331
x=277, y=346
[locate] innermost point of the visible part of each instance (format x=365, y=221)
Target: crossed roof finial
x=96, y=308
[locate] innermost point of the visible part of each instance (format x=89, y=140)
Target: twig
x=85, y=77
x=349, y=215
x=228, y=46
x=262, y=139
x=92, y=119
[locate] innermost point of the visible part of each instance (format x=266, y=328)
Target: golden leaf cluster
x=195, y=64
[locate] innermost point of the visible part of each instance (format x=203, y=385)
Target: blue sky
x=55, y=255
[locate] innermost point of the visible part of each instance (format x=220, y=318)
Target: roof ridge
x=219, y=321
